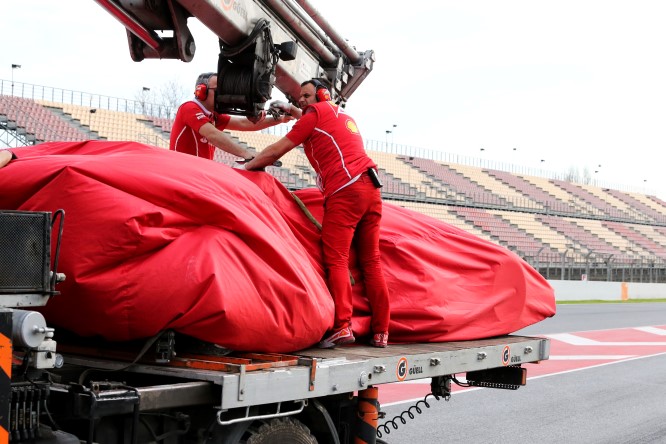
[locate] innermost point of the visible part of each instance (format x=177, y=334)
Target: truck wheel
x=284, y=430
x=278, y=430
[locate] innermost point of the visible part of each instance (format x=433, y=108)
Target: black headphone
x=321, y=92
x=201, y=88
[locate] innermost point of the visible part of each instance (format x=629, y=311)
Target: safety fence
x=86, y=99
x=591, y=267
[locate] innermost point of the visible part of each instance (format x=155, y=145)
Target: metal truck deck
x=247, y=379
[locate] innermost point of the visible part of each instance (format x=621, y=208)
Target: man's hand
x=279, y=116
x=282, y=106
x=257, y=119
x=5, y=157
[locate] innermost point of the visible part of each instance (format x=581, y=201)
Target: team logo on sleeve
x=351, y=126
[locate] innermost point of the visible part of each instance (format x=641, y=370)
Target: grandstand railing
x=93, y=101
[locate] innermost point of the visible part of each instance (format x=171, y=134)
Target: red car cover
x=156, y=240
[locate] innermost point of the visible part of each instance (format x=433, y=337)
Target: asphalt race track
x=601, y=385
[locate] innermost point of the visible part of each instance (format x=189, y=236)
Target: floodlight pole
x=14, y=66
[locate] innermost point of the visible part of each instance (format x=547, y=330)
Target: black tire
x=283, y=431
x=275, y=431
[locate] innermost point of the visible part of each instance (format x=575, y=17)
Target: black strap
x=149, y=343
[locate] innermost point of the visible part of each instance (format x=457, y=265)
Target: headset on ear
x=201, y=88
x=321, y=92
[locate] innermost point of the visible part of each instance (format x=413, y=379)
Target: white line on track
x=578, y=340
x=652, y=330
x=588, y=357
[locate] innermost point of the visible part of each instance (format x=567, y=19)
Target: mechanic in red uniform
x=352, y=204
x=198, y=129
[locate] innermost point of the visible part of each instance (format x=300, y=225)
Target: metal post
x=587, y=264
x=609, y=267
x=564, y=256
x=537, y=258
x=144, y=90
x=91, y=112
x=14, y=66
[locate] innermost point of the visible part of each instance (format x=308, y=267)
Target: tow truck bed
x=248, y=379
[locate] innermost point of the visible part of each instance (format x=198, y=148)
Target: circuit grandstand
x=565, y=230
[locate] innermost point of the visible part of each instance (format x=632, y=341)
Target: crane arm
x=263, y=44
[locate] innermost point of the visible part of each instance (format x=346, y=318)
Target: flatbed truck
x=173, y=389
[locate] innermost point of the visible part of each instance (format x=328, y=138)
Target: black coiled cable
x=260, y=26
x=237, y=81
x=410, y=413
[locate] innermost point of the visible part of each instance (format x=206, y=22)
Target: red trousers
x=353, y=214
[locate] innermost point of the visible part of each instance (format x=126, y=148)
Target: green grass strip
x=600, y=301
